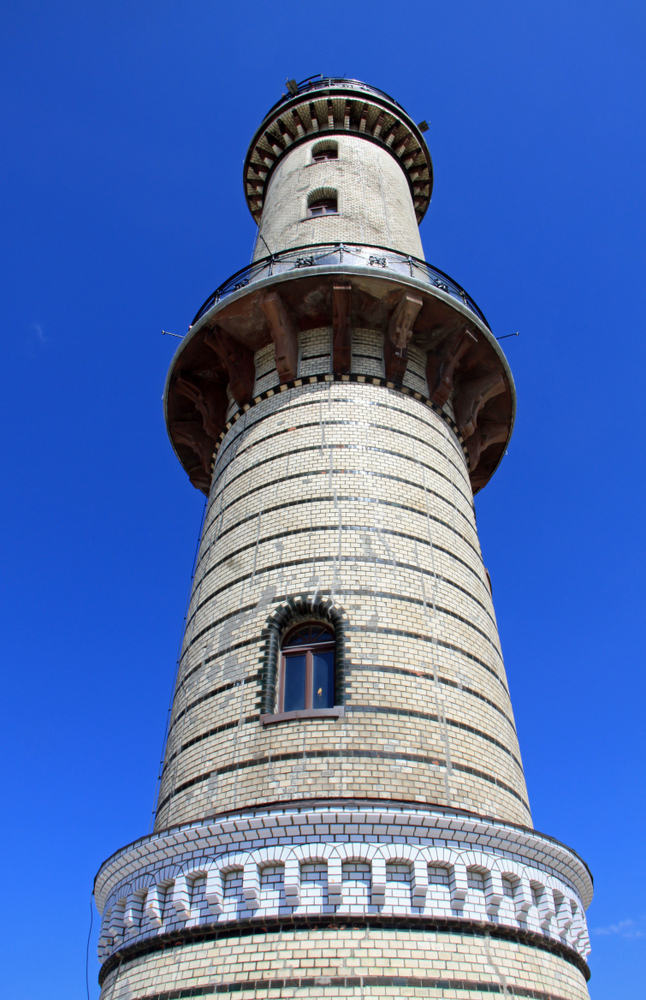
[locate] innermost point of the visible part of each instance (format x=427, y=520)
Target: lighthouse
x=342, y=809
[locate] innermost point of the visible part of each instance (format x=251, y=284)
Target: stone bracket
x=493, y=891
x=284, y=335
x=441, y=367
x=400, y=330
x=153, y=906
x=341, y=344
x=192, y=434
x=214, y=890
x=211, y=405
x=238, y=361
x=182, y=897
x=485, y=435
x=472, y=396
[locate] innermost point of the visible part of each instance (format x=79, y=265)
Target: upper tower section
x=347, y=149
x=338, y=177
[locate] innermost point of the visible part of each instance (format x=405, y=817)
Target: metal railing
x=313, y=83
x=340, y=255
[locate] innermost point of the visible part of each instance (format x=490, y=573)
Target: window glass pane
x=323, y=678
x=326, y=206
x=319, y=634
x=294, y=697
x=307, y=634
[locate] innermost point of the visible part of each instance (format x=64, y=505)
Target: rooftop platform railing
x=340, y=255
x=314, y=83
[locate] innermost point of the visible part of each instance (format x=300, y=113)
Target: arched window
x=306, y=668
x=323, y=206
x=325, y=151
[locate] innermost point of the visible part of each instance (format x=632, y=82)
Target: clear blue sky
x=124, y=130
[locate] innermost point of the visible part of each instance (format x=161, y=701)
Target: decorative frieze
x=344, y=860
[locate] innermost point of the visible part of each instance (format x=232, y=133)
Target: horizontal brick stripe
x=349, y=982
x=253, y=678
x=357, y=628
x=305, y=449
x=323, y=498
x=253, y=469
x=291, y=407
x=356, y=499
x=363, y=592
x=334, y=529
x=407, y=713
x=306, y=924
x=346, y=754
x=204, y=736
x=368, y=426
x=352, y=560
x=314, y=529
x=378, y=668
x=293, y=404
x=210, y=694
x=280, y=480
x=384, y=630
x=350, y=669
x=349, y=709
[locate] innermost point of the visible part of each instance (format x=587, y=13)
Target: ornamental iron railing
x=340, y=255
x=318, y=82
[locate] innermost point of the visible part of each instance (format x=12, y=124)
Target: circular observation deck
x=211, y=381
x=336, y=106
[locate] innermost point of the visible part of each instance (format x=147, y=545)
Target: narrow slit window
x=307, y=669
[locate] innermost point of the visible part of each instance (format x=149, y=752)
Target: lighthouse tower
x=342, y=809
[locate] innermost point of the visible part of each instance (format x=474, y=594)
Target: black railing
x=340, y=255
x=327, y=82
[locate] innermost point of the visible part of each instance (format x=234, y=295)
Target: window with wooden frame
x=328, y=152
x=323, y=206
x=306, y=668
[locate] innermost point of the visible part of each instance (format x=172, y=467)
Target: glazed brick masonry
x=374, y=203
x=392, y=870
x=382, y=846
x=380, y=522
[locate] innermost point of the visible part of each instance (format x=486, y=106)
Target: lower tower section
x=350, y=849
x=345, y=899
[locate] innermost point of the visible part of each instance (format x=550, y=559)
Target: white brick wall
x=374, y=200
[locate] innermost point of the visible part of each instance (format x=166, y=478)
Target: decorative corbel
x=200, y=479
x=190, y=433
x=400, y=330
x=478, y=479
x=486, y=434
x=441, y=366
x=283, y=334
x=238, y=361
x=471, y=397
x=341, y=344
x=210, y=403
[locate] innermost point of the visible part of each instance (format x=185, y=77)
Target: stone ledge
x=246, y=928
x=303, y=713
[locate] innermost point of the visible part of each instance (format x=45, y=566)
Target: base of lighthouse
x=344, y=899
